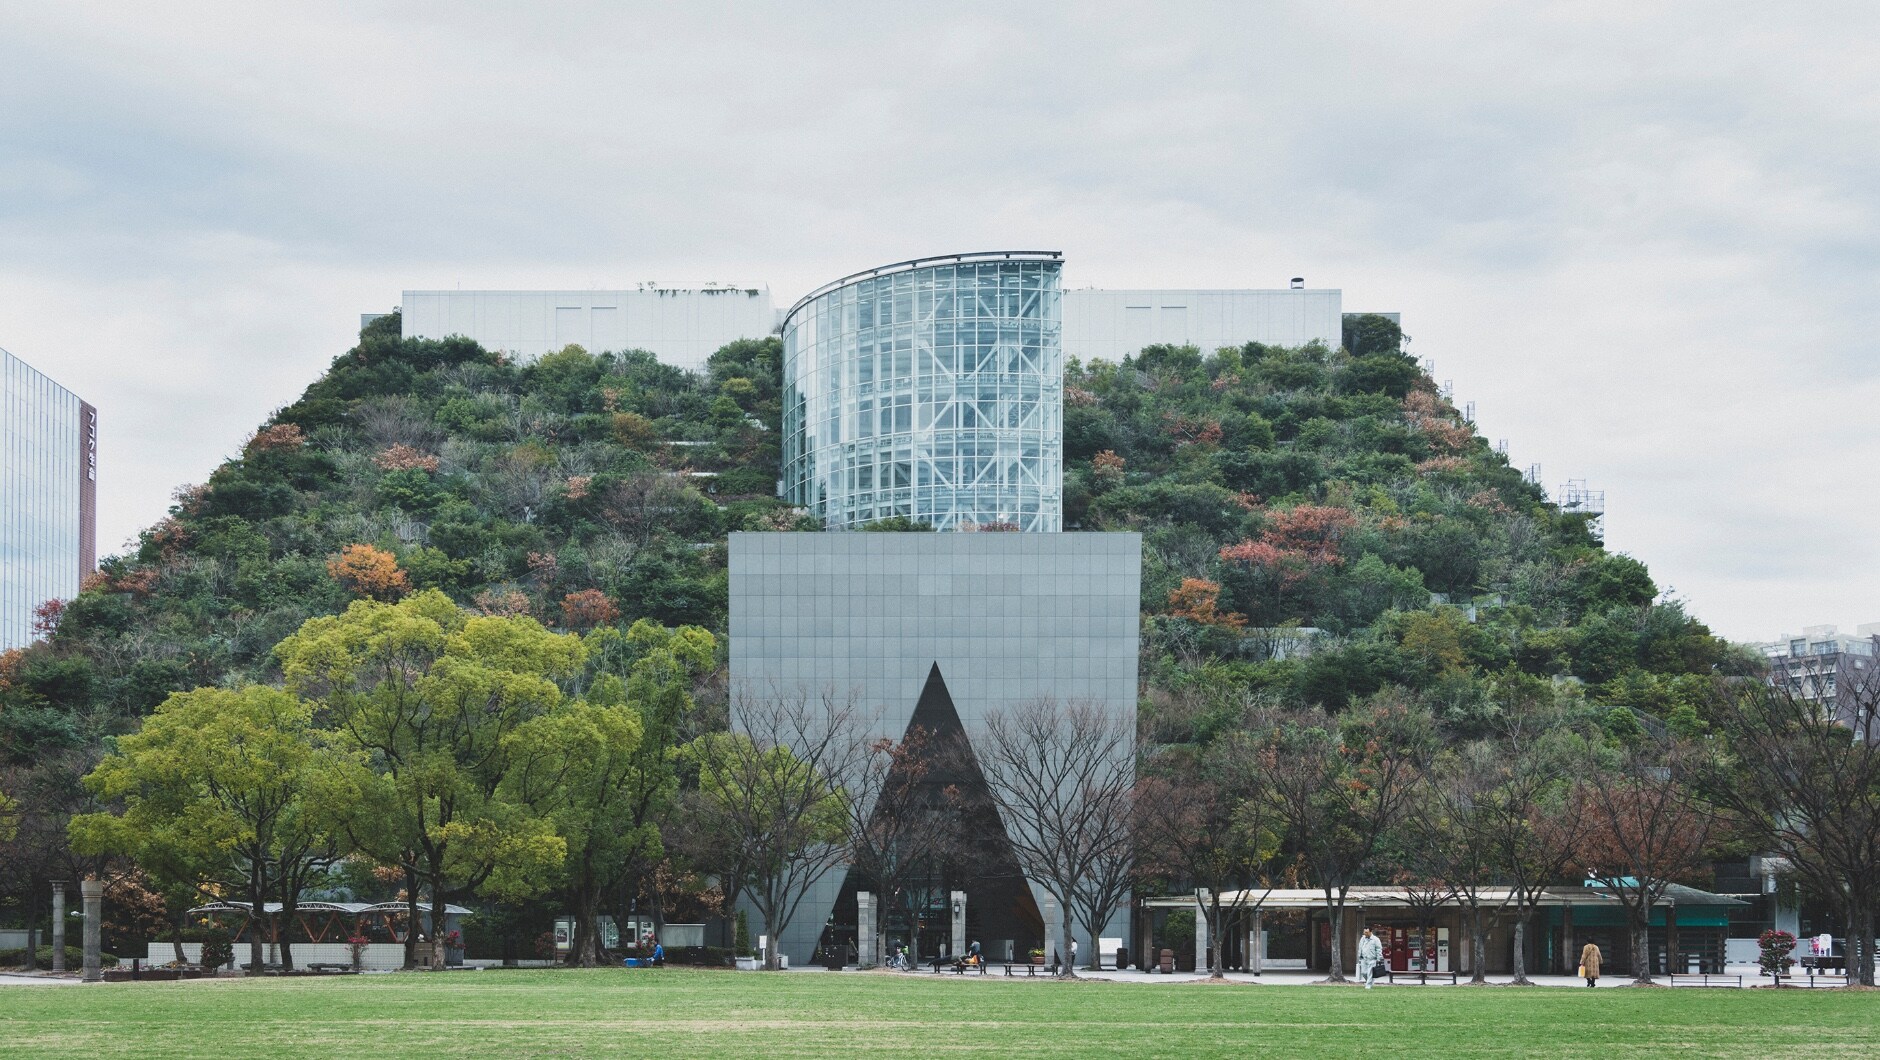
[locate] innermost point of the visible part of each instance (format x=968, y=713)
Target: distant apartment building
x=48, y=495
x=1822, y=663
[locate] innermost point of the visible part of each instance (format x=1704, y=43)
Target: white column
x=1202, y=954
x=58, y=926
x=865, y=930
x=92, y=893
x=1053, y=948
x=959, y=922
x=1256, y=944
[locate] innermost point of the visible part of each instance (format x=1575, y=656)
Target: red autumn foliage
x=588, y=609
x=46, y=617
x=1296, y=542
x=1197, y=430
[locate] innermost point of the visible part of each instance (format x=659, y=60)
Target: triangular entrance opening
x=999, y=905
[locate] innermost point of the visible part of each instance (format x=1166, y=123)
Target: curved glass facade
x=932, y=389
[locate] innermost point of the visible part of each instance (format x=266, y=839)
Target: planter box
x=747, y=964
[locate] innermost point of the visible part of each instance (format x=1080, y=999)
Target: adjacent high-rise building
x=48, y=495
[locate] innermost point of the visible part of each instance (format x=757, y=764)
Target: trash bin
x=1122, y=957
x=1166, y=963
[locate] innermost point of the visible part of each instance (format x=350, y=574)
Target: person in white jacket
x=1370, y=951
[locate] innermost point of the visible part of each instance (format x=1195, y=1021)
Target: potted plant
x=741, y=944
x=1776, y=947
x=1036, y=955
x=217, y=951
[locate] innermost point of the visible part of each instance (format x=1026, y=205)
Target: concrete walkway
x=37, y=979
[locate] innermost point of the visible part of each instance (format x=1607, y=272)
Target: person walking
x=1370, y=952
x=1589, y=964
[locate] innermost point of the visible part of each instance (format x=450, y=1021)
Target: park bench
x=1704, y=979
x=1812, y=974
x=1032, y=971
x=330, y=967
x=1422, y=977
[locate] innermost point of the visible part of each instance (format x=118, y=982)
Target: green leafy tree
x=430, y=696
x=231, y=786
x=603, y=770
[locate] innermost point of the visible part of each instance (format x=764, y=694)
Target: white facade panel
x=681, y=326
x=1111, y=325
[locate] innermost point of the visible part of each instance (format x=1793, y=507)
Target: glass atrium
x=933, y=390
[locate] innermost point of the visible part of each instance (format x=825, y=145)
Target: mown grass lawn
x=684, y=1013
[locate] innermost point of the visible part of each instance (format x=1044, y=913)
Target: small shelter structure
x=319, y=931
x=1291, y=928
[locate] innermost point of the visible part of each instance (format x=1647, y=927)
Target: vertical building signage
x=87, y=489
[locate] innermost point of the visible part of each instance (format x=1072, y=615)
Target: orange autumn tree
x=1198, y=600
x=370, y=572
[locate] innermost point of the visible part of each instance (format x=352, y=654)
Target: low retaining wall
x=378, y=956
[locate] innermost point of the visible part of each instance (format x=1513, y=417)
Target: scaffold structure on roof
x=1577, y=499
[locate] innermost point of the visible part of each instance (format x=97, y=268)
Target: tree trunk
x=32, y=926
x=257, y=916
x=176, y=938
x=773, y=933
x=1478, y=946
x=286, y=930
x=1864, y=943
x=585, y=950
x=411, y=918
x=438, y=919
x=1218, y=965
x=1642, y=949
x=1066, y=967
x=1337, y=911
x=1520, y=948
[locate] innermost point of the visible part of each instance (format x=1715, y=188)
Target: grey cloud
x=1642, y=238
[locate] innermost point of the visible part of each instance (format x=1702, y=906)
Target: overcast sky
x=1645, y=244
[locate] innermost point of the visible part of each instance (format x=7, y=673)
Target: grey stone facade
x=1004, y=617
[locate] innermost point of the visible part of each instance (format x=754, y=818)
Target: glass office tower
x=931, y=389
x=48, y=491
